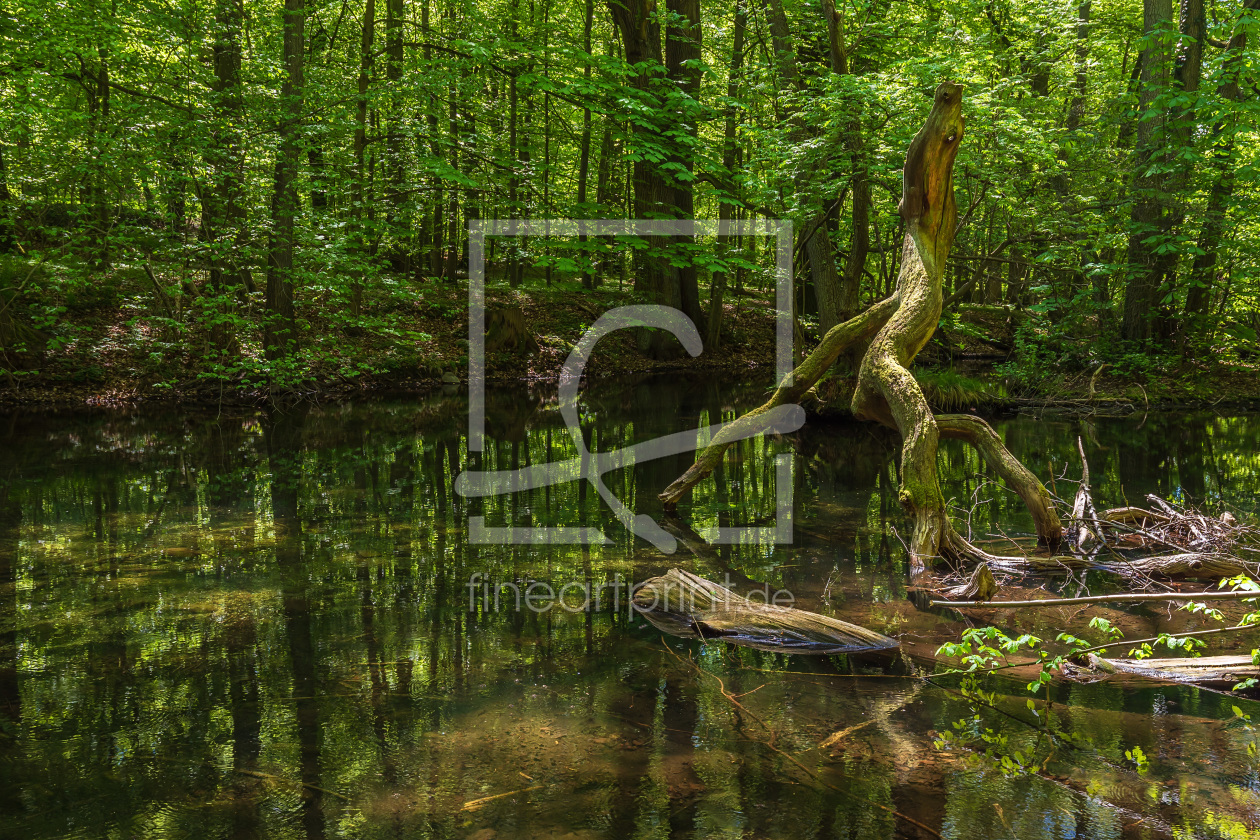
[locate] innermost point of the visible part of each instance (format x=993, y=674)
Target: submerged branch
x=769, y=744
x=687, y=605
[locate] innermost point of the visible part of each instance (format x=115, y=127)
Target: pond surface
x=262, y=625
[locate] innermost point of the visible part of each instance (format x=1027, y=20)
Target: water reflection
x=259, y=626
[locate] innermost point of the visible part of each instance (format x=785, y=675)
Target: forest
x=400, y=434
x=254, y=195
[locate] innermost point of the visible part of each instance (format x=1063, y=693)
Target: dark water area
x=275, y=624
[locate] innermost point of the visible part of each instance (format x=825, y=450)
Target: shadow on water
x=276, y=625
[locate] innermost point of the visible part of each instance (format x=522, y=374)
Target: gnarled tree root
x=839, y=338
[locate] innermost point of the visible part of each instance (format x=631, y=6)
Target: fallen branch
x=1189, y=565
x=474, y=804
x=1235, y=595
x=1126, y=515
x=1189, y=634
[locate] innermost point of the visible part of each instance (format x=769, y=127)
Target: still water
x=261, y=624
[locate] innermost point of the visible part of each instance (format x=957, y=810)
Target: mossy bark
x=886, y=390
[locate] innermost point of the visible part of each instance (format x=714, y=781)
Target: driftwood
x=1140, y=517
x=1188, y=565
x=686, y=605
x=1219, y=670
x=1085, y=525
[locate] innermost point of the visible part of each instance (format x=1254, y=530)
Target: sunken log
x=686, y=605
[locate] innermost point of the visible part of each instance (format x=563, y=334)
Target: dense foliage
x=236, y=181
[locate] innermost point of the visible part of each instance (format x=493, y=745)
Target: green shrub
x=948, y=390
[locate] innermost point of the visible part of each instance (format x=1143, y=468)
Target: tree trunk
x=584, y=162
x=682, y=62
x=319, y=179
x=546, y=167
x=514, y=210
x=849, y=297
x=727, y=209
x=472, y=197
x=1220, y=195
x=279, y=335
x=98, y=104
x=1182, y=123
x=223, y=211
x=6, y=214
x=436, y=228
x=398, y=227
x=606, y=191
x=318, y=171
x=1148, y=217
x=887, y=392
x=818, y=248
x=452, y=215
x=1076, y=111
x=1076, y=108
x=358, y=197
x=656, y=279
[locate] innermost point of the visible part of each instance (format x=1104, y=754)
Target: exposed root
x=984, y=440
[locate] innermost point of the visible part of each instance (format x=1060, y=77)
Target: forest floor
x=105, y=355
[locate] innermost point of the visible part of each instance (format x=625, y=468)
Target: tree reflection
x=258, y=625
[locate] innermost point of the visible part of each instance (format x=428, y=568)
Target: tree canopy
x=239, y=175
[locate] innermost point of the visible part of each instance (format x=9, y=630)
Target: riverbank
x=406, y=343
x=410, y=343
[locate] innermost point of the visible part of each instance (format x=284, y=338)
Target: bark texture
x=886, y=391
